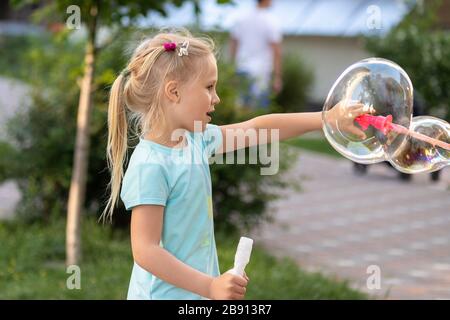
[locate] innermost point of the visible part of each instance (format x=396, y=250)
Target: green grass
x=32, y=267
x=319, y=145
x=32, y=262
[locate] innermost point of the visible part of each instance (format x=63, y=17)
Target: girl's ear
x=172, y=92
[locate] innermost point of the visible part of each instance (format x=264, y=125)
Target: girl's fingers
x=369, y=109
x=360, y=108
x=240, y=290
x=364, y=109
x=357, y=132
x=352, y=105
x=237, y=296
x=241, y=281
x=356, y=105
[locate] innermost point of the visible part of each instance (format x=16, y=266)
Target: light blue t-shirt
x=179, y=179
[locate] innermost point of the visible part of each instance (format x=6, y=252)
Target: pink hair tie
x=169, y=46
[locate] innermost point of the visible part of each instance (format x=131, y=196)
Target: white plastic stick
x=242, y=256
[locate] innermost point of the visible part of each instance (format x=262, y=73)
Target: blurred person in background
x=256, y=51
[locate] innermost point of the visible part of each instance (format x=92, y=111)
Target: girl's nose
x=216, y=99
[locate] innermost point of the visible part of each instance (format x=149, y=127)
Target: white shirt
x=255, y=31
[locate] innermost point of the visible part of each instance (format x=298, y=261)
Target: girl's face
x=198, y=97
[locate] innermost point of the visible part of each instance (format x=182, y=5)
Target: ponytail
x=117, y=144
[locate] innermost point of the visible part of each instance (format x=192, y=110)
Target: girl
x=169, y=89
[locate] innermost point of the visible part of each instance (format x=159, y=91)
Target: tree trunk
x=81, y=152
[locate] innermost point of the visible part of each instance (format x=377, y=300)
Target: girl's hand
x=345, y=115
x=228, y=287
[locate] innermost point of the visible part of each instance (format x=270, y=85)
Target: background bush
x=297, y=82
x=423, y=51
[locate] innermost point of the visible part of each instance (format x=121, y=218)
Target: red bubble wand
x=384, y=124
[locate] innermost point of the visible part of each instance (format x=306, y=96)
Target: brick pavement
x=12, y=97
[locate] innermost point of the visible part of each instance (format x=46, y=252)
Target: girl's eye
x=210, y=87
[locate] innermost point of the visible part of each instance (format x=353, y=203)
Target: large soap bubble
x=412, y=145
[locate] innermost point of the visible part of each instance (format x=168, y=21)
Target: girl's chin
x=200, y=125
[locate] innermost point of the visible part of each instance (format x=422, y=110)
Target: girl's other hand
x=228, y=287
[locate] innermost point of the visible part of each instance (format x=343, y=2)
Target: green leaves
x=114, y=12
x=423, y=50
x=297, y=81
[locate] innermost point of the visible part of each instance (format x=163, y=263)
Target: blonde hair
x=137, y=92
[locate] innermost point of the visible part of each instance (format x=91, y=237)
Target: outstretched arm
x=263, y=129
x=286, y=125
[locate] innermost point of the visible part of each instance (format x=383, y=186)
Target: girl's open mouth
x=209, y=114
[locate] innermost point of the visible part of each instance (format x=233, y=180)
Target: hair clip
x=183, y=51
x=169, y=46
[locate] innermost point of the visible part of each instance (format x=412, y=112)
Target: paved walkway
x=12, y=97
x=9, y=197
x=341, y=224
